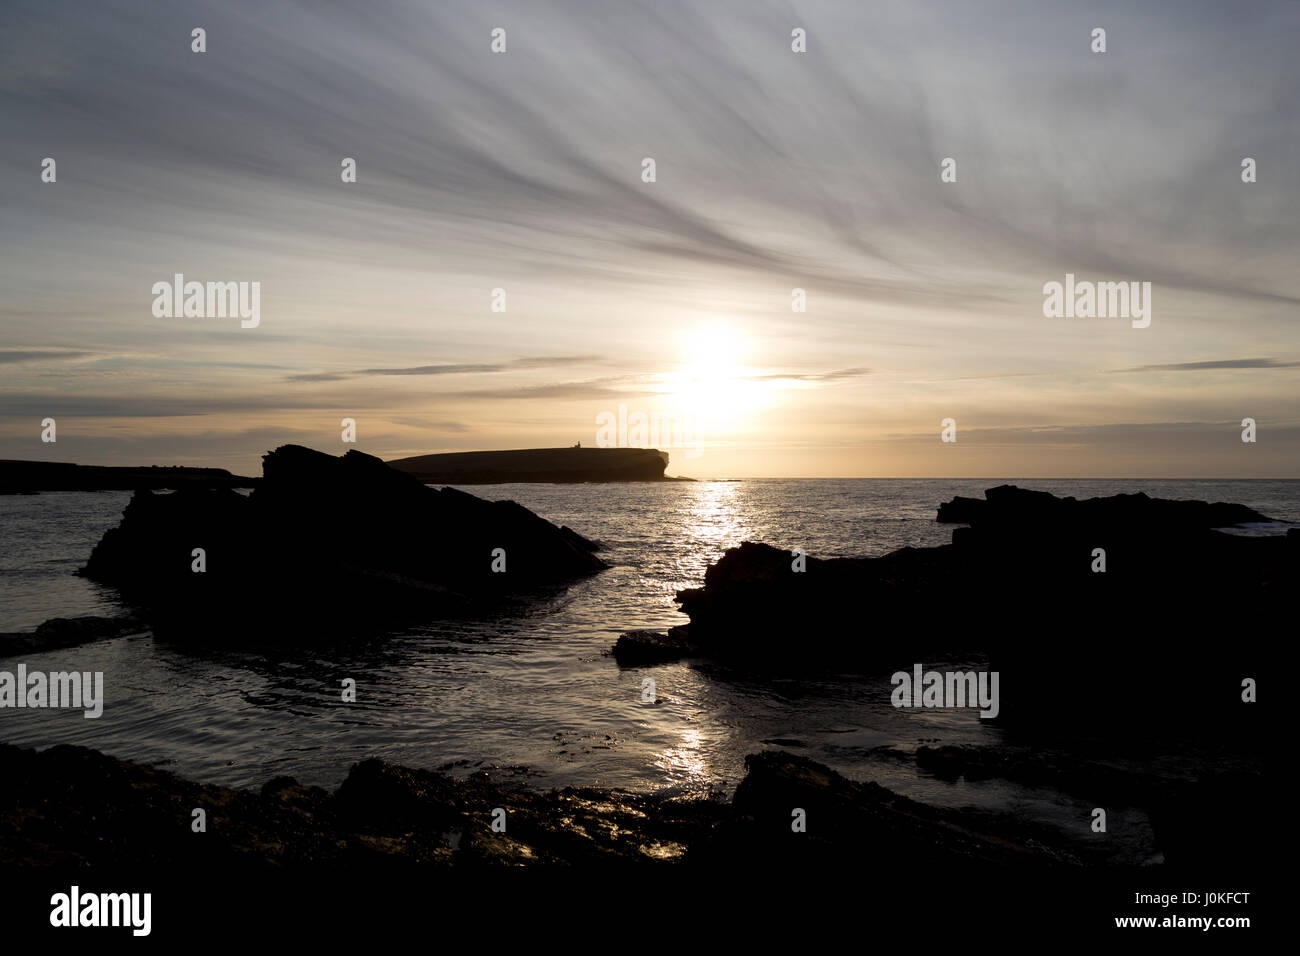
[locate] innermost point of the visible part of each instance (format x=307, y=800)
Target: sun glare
x=714, y=384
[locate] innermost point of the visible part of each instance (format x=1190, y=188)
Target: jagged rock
x=1007, y=504
x=960, y=510
x=638, y=648
x=329, y=542
x=753, y=606
x=1018, y=587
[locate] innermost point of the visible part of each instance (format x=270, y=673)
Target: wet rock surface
x=642, y=648
x=1231, y=787
x=71, y=805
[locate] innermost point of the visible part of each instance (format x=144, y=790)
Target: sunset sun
x=714, y=383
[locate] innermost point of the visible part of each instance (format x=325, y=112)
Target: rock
x=639, y=648
x=1073, y=645
x=848, y=821
x=1244, y=806
x=329, y=543
x=71, y=805
x=60, y=632
x=960, y=510
x=1007, y=504
x=556, y=465
x=754, y=607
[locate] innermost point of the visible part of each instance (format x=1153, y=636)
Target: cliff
x=560, y=465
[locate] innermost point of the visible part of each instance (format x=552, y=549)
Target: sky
x=774, y=170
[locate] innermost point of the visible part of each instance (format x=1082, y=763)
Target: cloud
x=1222, y=363
x=11, y=356
x=462, y=369
x=775, y=170
x=591, y=388
x=836, y=376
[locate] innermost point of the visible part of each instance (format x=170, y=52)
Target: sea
x=533, y=695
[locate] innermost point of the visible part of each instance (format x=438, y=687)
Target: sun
x=715, y=385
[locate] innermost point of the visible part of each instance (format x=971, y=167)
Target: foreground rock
x=641, y=648
x=329, y=543
x=70, y=805
x=1172, y=793
x=1180, y=616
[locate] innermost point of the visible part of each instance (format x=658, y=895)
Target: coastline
x=386, y=815
x=747, y=593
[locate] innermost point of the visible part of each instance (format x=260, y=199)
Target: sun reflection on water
x=685, y=763
x=715, y=516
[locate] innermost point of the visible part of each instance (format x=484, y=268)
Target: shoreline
x=750, y=602
x=53, y=811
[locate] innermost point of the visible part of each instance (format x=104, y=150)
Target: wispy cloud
x=839, y=375
x=11, y=356
x=522, y=171
x=1216, y=364
x=461, y=369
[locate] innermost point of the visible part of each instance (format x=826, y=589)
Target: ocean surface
x=533, y=696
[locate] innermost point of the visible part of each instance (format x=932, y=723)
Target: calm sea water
x=533, y=694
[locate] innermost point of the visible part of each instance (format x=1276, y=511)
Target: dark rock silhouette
x=537, y=465
x=639, y=648
x=1200, y=817
x=1181, y=615
x=61, y=632
x=1009, y=504
x=31, y=477
x=330, y=542
x=71, y=805
x=845, y=820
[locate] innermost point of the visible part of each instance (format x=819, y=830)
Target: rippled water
x=532, y=693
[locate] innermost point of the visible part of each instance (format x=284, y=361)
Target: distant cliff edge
x=537, y=464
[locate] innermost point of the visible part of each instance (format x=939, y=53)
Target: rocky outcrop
x=641, y=648
x=755, y=606
x=71, y=805
x=1008, y=504
x=537, y=465
x=843, y=820
x=1175, y=800
x=61, y=632
x=1107, y=610
x=330, y=542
